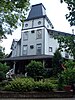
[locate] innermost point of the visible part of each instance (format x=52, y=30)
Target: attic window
x=39, y=22
x=32, y=31
x=26, y=25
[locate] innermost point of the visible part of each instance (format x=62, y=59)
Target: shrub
x=2, y=76
x=28, y=84
x=44, y=86
x=20, y=84
x=3, y=70
x=35, y=69
x=67, y=77
x=4, y=67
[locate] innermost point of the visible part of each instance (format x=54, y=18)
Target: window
x=26, y=25
x=38, y=49
x=25, y=36
x=32, y=31
x=25, y=49
x=51, y=35
x=39, y=34
x=50, y=49
x=47, y=26
x=39, y=22
x=66, y=55
x=31, y=46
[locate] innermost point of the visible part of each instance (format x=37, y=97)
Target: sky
x=56, y=13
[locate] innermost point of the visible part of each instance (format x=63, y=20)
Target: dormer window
x=39, y=22
x=26, y=25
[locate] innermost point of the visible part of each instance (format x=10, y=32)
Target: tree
x=68, y=43
x=56, y=63
x=2, y=54
x=71, y=8
x=11, y=13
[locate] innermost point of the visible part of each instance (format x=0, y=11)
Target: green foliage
x=35, y=69
x=68, y=43
x=2, y=54
x=28, y=84
x=4, y=67
x=70, y=64
x=71, y=8
x=68, y=75
x=2, y=75
x=43, y=86
x=56, y=63
x=20, y=84
x=3, y=70
x=11, y=13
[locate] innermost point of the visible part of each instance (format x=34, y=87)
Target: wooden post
x=14, y=66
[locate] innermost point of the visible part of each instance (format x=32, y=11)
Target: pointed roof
x=37, y=10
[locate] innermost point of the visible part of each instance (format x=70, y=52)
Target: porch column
x=43, y=63
x=14, y=66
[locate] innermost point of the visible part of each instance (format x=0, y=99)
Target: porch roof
x=28, y=57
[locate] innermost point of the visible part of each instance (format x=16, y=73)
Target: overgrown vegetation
x=68, y=75
x=28, y=84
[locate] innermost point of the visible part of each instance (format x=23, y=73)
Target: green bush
x=67, y=77
x=28, y=84
x=20, y=84
x=3, y=70
x=2, y=76
x=35, y=69
x=43, y=86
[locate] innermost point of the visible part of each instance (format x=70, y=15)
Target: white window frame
x=66, y=55
x=38, y=49
x=25, y=49
x=25, y=35
x=39, y=34
x=50, y=49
